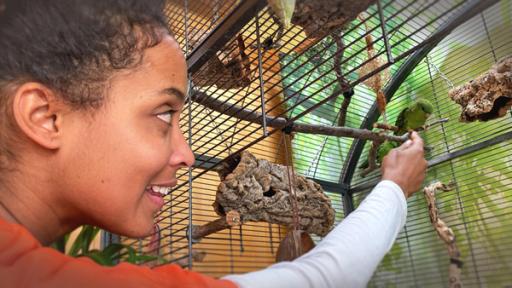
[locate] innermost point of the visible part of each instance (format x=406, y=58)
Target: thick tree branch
x=281, y=122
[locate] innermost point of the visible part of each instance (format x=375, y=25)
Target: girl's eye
x=166, y=116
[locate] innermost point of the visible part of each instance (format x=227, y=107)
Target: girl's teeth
x=161, y=190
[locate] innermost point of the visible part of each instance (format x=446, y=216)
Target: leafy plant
x=109, y=256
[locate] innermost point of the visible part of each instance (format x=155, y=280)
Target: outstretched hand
x=406, y=165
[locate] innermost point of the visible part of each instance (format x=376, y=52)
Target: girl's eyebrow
x=172, y=91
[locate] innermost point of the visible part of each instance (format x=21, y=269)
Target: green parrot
x=382, y=151
x=414, y=116
x=411, y=118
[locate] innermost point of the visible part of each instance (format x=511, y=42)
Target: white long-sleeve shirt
x=349, y=254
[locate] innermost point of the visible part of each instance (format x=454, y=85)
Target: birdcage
x=307, y=96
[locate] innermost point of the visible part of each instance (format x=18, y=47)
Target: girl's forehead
x=162, y=71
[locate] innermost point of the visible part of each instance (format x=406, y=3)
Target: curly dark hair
x=73, y=46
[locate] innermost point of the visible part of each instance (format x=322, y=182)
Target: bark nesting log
x=487, y=97
x=260, y=191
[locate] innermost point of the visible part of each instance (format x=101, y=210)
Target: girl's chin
x=141, y=230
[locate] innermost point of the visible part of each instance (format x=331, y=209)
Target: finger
x=416, y=139
x=405, y=145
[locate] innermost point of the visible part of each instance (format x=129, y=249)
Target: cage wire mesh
x=289, y=76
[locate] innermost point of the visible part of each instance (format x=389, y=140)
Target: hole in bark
x=500, y=106
x=269, y=193
x=221, y=210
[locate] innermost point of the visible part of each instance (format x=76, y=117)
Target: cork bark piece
x=487, y=97
x=321, y=17
x=260, y=191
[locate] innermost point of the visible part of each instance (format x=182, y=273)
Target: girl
x=90, y=98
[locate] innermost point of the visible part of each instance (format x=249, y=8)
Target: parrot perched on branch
x=414, y=116
x=411, y=118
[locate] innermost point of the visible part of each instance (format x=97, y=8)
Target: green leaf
x=112, y=250
x=141, y=258
x=131, y=256
x=98, y=257
x=60, y=244
x=77, y=244
x=90, y=233
x=83, y=240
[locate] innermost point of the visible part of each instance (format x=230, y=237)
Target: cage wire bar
x=296, y=82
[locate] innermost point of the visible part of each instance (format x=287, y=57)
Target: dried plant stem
x=445, y=233
x=376, y=81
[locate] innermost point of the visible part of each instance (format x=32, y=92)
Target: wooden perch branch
x=432, y=124
x=390, y=127
x=281, y=122
x=232, y=218
x=385, y=126
x=197, y=256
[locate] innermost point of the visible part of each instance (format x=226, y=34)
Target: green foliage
x=109, y=256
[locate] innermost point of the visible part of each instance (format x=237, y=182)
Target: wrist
x=398, y=183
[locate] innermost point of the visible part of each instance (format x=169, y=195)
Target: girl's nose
x=182, y=154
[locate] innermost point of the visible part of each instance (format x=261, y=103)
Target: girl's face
x=115, y=162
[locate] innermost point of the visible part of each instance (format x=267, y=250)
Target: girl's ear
x=38, y=113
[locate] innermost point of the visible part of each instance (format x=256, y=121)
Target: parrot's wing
x=400, y=121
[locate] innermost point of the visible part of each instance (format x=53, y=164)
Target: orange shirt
x=25, y=263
